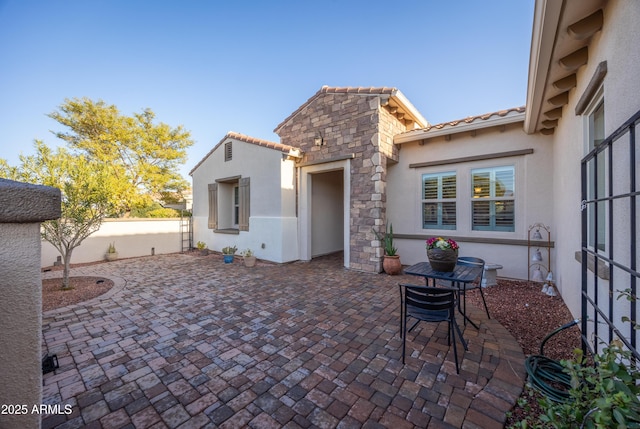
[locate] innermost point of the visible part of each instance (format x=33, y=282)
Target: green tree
x=140, y=153
x=87, y=188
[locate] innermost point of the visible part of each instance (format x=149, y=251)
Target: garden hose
x=547, y=375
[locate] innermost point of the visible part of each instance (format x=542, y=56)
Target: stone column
x=22, y=208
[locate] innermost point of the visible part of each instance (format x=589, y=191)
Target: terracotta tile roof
x=469, y=123
x=247, y=139
x=254, y=140
x=470, y=119
x=340, y=90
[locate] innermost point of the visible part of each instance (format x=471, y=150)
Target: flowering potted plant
x=442, y=253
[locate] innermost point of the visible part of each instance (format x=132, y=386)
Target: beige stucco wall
x=22, y=208
x=131, y=237
x=272, y=220
x=533, y=194
x=617, y=44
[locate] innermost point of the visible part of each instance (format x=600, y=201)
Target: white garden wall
x=132, y=237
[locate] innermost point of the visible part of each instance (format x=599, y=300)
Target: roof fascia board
x=545, y=27
x=407, y=106
x=460, y=128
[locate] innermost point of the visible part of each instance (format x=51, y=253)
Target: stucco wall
x=617, y=44
x=533, y=194
x=22, y=208
x=272, y=231
x=131, y=237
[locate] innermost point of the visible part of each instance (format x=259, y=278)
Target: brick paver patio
x=187, y=341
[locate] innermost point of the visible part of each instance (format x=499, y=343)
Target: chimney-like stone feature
x=354, y=125
x=22, y=208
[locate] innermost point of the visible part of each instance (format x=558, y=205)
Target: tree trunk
x=65, y=272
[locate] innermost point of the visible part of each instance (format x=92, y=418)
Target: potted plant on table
x=442, y=253
x=111, y=254
x=228, y=252
x=202, y=247
x=391, y=261
x=249, y=258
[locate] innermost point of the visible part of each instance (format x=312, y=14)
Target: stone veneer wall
x=22, y=208
x=351, y=124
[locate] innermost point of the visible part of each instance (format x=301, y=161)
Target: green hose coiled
x=548, y=375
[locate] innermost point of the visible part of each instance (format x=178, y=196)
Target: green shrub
x=603, y=395
x=155, y=211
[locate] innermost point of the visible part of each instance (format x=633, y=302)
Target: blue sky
x=244, y=66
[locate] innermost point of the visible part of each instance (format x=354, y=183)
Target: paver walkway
x=187, y=341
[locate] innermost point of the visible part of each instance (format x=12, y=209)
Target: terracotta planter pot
x=442, y=260
x=392, y=265
x=249, y=261
x=112, y=256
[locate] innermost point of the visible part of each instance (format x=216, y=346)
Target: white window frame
x=439, y=201
x=591, y=140
x=493, y=199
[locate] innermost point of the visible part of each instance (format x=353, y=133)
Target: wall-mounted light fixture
x=294, y=155
x=318, y=140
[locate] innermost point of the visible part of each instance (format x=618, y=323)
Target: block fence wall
x=131, y=237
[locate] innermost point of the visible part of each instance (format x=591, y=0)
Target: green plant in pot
x=391, y=262
x=248, y=258
x=228, y=252
x=202, y=247
x=112, y=253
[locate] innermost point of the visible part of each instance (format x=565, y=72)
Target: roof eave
x=408, y=107
x=545, y=26
x=417, y=135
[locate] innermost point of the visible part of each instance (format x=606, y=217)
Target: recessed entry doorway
x=324, y=210
x=327, y=213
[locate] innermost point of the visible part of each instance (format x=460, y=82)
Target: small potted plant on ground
x=249, y=259
x=391, y=263
x=228, y=252
x=111, y=254
x=202, y=247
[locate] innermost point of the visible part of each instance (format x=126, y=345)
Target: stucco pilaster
x=22, y=208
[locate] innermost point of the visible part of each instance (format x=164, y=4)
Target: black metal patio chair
x=471, y=261
x=429, y=304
